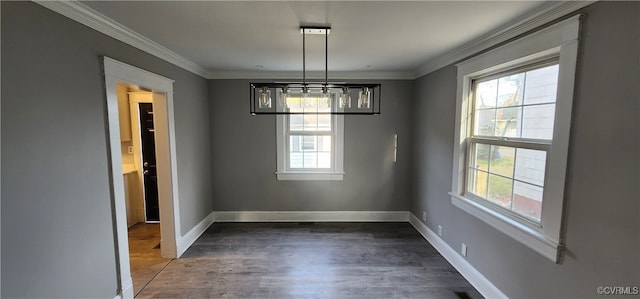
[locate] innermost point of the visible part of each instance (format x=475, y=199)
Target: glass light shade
x=264, y=96
x=306, y=101
x=285, y=98
x=345, y=99
x=364, y=99
x=326, y=101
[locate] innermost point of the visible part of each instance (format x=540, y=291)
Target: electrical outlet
x=463, y=250
x=440, y=230
x=130, y=150
x=424, y=216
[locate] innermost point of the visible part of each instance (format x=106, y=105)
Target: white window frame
x=335, y=173
x=559, y=40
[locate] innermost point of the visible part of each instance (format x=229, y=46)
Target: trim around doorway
x=162, y=87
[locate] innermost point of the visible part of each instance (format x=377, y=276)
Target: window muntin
x=512, y=130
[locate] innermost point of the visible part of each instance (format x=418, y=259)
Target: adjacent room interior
x=135, y=119
x=320, y=149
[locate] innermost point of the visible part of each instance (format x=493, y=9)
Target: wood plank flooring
x=144, y=254
x=309, y=260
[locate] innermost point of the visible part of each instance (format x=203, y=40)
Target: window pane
x=310, y=160
x=510, y=89
x=324, y=105
x=486, y=93
x=295, y=159
x=324, y=122
x=308, y=143
x=530, y=166
x=295, y=122
x=294, y=143
x=537, y=121
x=500, y=190
x=310, y=103
x=527, y=200
x=502, y=160
x=485, y=122
x=310, y=122
x=541, y=85
x=324, y=143
x=478, y=183
x=481, y=156
x=507, y=122
x=324, y=160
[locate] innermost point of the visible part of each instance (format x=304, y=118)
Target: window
x=309, y=145
x=513, y=117
x=512, y=130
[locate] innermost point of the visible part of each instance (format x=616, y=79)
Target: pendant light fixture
x=337, y=96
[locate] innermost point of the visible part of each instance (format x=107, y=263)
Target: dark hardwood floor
x=310, y=260
x=144, y=254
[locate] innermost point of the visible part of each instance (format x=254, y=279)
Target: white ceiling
x=377, y=36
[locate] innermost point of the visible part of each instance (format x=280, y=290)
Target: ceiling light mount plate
x=320, y=30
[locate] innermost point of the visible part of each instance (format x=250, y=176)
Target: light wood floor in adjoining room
x=144, y=254
x=309, y=260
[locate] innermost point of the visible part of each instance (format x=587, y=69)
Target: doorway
x=137, y=135
x=161, y=90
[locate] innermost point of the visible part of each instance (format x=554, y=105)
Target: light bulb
x=264, y=97
x=364, y=100
x=305, y=101
x=326, y=100
x=345, y=99
x=285, y=97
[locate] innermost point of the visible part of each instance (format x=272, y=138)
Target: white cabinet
x=124, y=114
x=133, y=198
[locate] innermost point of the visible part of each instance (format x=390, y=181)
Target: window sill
x=309, y=176
x=531, y=237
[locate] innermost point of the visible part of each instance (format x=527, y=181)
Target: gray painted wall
x=57, y=227
x=244, y=157
x=602, y=196
x=57, y=230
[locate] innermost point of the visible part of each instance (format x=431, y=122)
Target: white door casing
x=117, y=72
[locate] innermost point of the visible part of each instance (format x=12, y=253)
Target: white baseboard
x=481, y=283
x=127, y=290
x=195, y=233
x=317, y=216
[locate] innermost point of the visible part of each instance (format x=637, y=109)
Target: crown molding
x=85, y=15
x=316, y=75
x=101, y=23
x=97, y=21
x=541, y=17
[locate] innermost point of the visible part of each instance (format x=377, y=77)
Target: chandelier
x=332, y=97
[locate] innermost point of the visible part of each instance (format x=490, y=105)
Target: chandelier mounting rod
x=326, y=58
x=304, y=60
x=336, y=96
